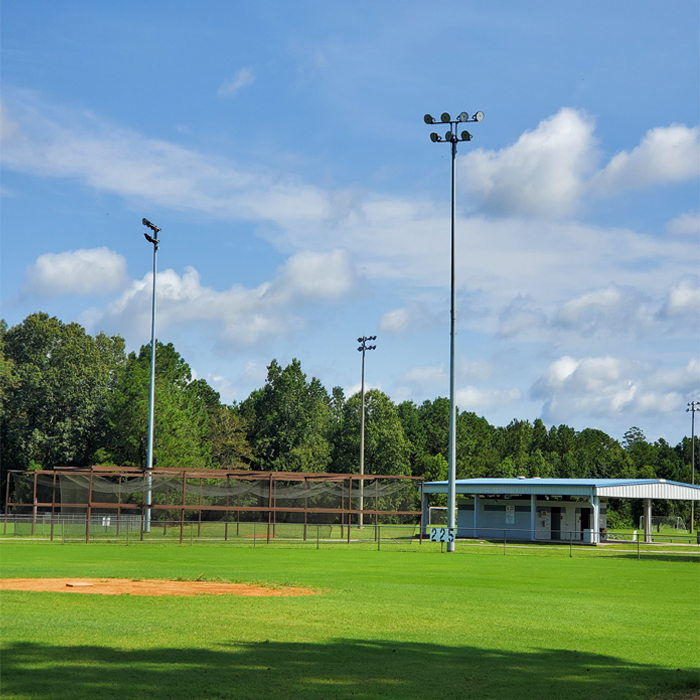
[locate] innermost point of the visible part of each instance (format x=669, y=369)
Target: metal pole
x=453, y=137
x=452, y=462
x=363, y=349
x=362, y=440
x=693, y=406
x=151, y=401
x=152, y=397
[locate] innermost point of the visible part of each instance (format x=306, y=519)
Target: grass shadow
x=337, y=670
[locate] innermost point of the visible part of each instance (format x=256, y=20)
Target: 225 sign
x=442, y=534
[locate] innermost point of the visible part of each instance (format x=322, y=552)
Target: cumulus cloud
x=243, y=315
x=84, y=271
x=542, y=174
x=549, y=171
x=471, y=398
x=605, y=386
x=665, y=154
x=611, y=309
x=683, y=299
x=243, y=77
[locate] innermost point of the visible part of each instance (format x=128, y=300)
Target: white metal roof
x=586, y=488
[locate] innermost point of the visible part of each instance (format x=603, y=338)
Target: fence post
x=638, y=556
x=318, y=536
x=254, y=533
x=504, y=542
x=379, y=537
x=127, y=533
x=192, y=534
x=571, y=546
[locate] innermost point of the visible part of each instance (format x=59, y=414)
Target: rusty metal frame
x=345, y=512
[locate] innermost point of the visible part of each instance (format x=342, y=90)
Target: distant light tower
x=151, y=403
x=693, y=407
x=453, y=138
x=363, y=349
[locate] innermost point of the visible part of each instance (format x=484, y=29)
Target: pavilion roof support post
x=595, y=525
x=647, y=519
x=533, y=516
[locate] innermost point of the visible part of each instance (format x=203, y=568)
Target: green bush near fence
x=386, y=624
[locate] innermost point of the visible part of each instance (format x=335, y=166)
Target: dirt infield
x=121, y=586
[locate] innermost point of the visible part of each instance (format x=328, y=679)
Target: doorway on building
x=556, y=523
x=585, y=520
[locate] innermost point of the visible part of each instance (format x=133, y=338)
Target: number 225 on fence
x=442, y=534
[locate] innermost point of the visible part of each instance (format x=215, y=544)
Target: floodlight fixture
x=463, y=117
x=445, y=117
x=466, y=136
x=434, y=137
x=428, y=119
x=153, y=227
x=478, y=116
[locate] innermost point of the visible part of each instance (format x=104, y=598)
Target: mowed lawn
x=387, y=624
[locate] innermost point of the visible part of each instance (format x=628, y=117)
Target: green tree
x=290, y=421
x=56, y=382
x=387, y=449
x=181, y=415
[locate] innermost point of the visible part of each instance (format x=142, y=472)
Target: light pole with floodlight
x=363, y=349
x=693, y=407
x=151, y=402
x=452, y=137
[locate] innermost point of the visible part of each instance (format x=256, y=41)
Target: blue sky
x=281, y=148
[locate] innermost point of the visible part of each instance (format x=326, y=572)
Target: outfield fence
x=128, y=530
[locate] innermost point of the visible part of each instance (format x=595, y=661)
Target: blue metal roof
x=615, y=488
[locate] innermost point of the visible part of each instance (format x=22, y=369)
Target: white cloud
x=84, y=271
x=665, y=154
x=395, y=321
x=683, y=299
x=687, y=224
x=245, y=76
x=542, y=174
x=243, y=315
x=549, y=171
x=423, y=376
x=611, y=309
x=606, y=386
x=471, y=398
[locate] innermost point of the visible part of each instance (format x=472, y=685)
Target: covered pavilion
x=501, y=505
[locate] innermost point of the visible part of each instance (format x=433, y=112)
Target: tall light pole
x=693, y=407
x=152, y=398
x=453, y=138
x=363, y=349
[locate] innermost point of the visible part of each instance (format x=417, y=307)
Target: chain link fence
x=129, y=530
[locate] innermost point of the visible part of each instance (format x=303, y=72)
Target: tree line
x=71, y=399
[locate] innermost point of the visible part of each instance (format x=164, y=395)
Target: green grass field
x=389, y=624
